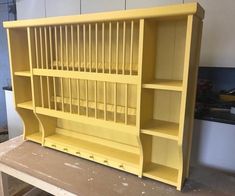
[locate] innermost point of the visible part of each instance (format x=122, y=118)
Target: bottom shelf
x=35, y=137
x=162, y=173
x=99, y=153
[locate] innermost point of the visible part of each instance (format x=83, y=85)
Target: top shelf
x=22, y=73
x=163, y=84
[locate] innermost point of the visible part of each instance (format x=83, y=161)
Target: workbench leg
x=4, y=184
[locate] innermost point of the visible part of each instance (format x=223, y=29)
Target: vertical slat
x=78, y=43
x=46, y=48
x=84, y=46
x=46, y=59
x=86, y=86
x=78, y=95
x=55, y=98
x=103, y=55
x=117, y=48
x=90, y=49
x=126, y=103
x=124, y=48
x=51, y=48
x=72, y=48
x=62, y=93
x=70, y=95
x=56, y=48
x=41, y=47
x=96, y=47
x=131, y=47
x=61, y=49
x=42, y=93
x=105, y=108
x=66, y=47
x=41, y=82
x=36, y=46
x=95, y=99
x=110, y=46
x=115, y=102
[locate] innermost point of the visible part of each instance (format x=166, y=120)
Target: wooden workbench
x=62, y=174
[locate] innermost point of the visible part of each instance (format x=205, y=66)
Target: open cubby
x=166, y=60
x=161, y=164
x=115, y=88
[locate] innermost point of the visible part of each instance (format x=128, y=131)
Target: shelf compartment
x=26, y=105
x=23, y=73
x=162, y=173
x=162, y=84
x=35, y=137
x=96, y=152
x=106, y=47
x=129, y=129
x=161, y=128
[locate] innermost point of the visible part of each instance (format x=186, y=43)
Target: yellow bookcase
x=117, y=88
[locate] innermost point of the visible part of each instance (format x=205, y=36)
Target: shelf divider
x=26, y=105
x=163, y=84
x=22, y=73
x=160, y=128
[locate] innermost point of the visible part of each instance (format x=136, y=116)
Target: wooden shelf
x=26, y=105
x=161, y=84
x=35, y=137
x=23, y=73
x=162, y=173
x=81, y=146
x=160, y=128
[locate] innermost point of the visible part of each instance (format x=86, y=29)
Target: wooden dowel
x=124, y=48
x=62, y=93
x=96, y=47
x=61, y=49
x=66, y=47
x=78, y=47
x=117, y=48
x=105, y=107
x=46, y=48
x=95, y=99
x=56, y=48
x=70, y=95
x=115, y=102
x=84, y=46
x=131, y=47
x=72, y=49
x=51, y=48
x=41, y=47
x=90, y=49
x=42, y=93
x=110, y=46
x=78, y=95
x=103, y=49
x=36, y=47
x=54, y=87
x=48, y=93
x=126, y=103
x=86, y=86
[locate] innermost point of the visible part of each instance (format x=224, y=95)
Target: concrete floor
x=203, y=181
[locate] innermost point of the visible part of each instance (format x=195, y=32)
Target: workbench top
x=73, y=174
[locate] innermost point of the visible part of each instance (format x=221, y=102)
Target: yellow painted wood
x=35, y=137
x=26, y=105
x=23, y=73
x=163, y=84
x=161, y=129
x=117, y=88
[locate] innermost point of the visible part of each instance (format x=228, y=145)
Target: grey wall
x=4, y=65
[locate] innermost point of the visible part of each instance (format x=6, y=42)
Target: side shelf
x=163, y=129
